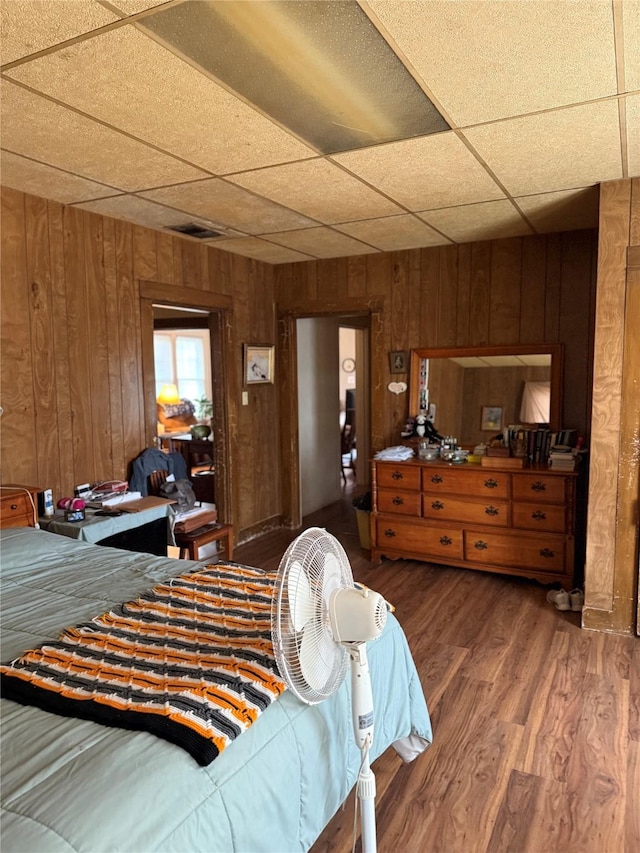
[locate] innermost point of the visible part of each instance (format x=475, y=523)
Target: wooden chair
x=190, y=543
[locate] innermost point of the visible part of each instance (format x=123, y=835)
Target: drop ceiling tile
x=558, y=150
x=434, y=171
x=28, y=176
x=393, y=233
x=570, y=210
x=27, y=26
x=631, y=30
x=132, y=7
x=229, y=205
x=322, y=243
x=261, y=250
x=295, y=185
x=131, y=82
x=489, y=220
x=488, y=60
x=45, y=131
x=142, y=212
x=632, y=107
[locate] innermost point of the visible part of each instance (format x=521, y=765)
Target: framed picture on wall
x=491, y=419
x=398, y=361
x=258, y=363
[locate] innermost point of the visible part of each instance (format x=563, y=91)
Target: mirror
x=474, y=393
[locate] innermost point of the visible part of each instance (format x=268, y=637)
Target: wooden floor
x=536, y=722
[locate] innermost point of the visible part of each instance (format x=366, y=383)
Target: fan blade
x=332, y=575
x=301, y=601
x=317, y=655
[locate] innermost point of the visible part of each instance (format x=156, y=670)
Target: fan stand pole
x=366, y=789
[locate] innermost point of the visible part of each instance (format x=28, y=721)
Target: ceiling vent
x=200, y=232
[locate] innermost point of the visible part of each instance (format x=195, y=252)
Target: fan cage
x=309, y=658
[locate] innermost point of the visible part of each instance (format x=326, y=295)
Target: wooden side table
x=190, y=543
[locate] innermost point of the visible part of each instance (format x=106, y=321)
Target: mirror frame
x=556, y=351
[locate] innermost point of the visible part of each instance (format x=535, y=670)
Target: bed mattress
x=74, y=785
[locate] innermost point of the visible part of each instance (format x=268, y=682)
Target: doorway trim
x=288, y=371
x=218, y=307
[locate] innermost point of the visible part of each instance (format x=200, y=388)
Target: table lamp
x=168, y=395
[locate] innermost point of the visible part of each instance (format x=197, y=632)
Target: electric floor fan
x=320, y=620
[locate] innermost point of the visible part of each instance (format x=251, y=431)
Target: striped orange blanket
x=191, y=661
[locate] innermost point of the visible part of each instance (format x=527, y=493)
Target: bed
x=74, y=785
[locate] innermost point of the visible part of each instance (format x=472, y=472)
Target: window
x=182, y=358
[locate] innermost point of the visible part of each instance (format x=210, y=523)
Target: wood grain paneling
x=611, y=572
x=469, y=295
x=73, y=369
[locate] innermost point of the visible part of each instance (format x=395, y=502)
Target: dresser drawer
x=545, y=553
x=539, y=488
x=403, y=503
x=550, y=518
x=463, y=481
x=16, y=510
x=415, y=538
x=398, y=476
x=448, y=508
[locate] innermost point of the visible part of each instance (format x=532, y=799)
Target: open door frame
x=288, y=371
x=218, y=306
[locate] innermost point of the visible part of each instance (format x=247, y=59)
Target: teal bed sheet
x=73, y=785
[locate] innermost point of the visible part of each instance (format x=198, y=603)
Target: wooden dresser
x=512, y=521
x=16, y=507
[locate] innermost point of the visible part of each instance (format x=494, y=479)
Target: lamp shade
x=168, y=395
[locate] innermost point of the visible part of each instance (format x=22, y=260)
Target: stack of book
x=562, y=458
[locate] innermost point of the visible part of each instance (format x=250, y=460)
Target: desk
x=145, y=530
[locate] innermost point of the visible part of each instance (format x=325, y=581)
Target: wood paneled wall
x=512, y=291
x=611, y=579
x=71, y=347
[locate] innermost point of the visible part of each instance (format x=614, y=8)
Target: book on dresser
x=517, y=521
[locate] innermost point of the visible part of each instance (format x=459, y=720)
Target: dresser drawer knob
x=547, y=553
x=437, y=479
x=397, y=475
x=492, y=510
x=491, y=484
x=14, y=506
x=397, y=501
x=446, y=540
x=538, y=487
x=480, y=545
x=538, y=515
x=389, y=532
x=437, y=505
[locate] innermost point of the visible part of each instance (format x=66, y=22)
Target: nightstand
x=18, y=505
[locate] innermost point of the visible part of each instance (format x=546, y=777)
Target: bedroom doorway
x=309, y=358
x=163, y=309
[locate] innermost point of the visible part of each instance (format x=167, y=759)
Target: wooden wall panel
x=469, y=295
x=532, y=290
x=608, y=353
x=63, y=420
x=611, y=571
x=42, y=343
x=480, y=300
x=16, y=368
x=119, y=460
x=506, y=274
x=72, y=365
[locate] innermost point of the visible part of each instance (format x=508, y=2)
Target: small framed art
x=258, y=363
x=491, y=418
x=398, y=361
